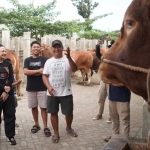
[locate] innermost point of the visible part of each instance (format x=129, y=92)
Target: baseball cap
x=57, y=42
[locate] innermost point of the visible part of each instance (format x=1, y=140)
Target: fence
x=21, y=45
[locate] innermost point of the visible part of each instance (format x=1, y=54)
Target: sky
x=69, y=12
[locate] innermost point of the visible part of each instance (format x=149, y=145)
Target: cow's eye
x=129, y=23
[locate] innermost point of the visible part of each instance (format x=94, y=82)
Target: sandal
x=35, y=129
x=12, y=141
x=55, y=138
x=47, y=132
x=107, y=139
x=72, y=132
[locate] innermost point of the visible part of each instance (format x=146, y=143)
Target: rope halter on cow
x=133, y=68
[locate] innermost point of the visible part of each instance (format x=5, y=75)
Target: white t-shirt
x=59, y=72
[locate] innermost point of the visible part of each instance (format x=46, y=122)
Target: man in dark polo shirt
x=119, y=108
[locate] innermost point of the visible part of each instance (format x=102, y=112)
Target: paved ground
x=91, y=133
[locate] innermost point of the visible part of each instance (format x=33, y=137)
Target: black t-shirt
x=97, y=49
x=6, y=75
x=35, y=83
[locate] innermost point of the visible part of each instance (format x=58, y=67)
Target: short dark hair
x=35, y=42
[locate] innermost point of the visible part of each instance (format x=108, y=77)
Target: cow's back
x=82, y=58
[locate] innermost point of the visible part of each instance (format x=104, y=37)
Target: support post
x=148, y=141
x=26, y=47
x=73, y=43
x=146, y=121
x=6, y=38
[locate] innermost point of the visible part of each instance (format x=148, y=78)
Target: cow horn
x=148, y=87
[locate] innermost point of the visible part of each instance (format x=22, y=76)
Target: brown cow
x=131, y=48
x=83, y=59
x=16, y=66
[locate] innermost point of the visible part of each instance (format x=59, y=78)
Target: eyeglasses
x=3, y=51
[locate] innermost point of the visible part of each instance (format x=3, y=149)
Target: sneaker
x=12, y=141
x=99, y=116
x=109, y=121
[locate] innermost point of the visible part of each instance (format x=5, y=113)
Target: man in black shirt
x=97, y=49
x=36, y=90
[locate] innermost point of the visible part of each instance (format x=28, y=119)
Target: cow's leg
x=72, y=74
x=83, y=73
x=89, y=77
x=18, y=86
x=18, y=90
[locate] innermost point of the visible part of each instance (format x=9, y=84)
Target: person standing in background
x=7, y=103
x=97, y=49
x=14, y=86
x=119, y=107
x=102, y=93
x=36, y=90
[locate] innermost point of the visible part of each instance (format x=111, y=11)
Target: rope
x=133, y=68
x=148, y=86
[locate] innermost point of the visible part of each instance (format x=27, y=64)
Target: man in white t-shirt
x=57, y=79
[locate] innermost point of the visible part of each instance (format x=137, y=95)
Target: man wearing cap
x=57, y=79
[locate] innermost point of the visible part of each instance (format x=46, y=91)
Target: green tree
x=23, y=18
x=93, y=34
x=85, y=7
x=114, y=34
x=65, y=28
x=98, y=34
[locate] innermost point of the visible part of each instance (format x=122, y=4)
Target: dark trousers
x=8, y=108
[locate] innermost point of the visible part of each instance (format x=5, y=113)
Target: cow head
x=132, y=47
